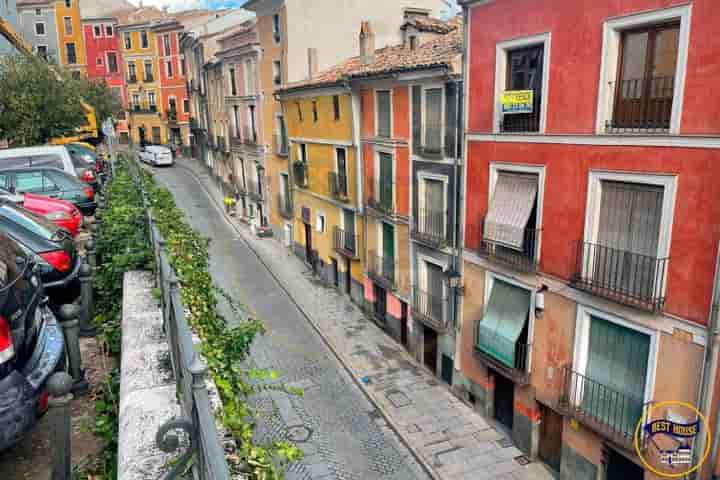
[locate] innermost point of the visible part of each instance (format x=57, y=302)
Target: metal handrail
x=430, y=226
x=430, y=308
x=642, y=105
x=208, y=455
x=338, y=185
x=382, y=269
x=344, y=242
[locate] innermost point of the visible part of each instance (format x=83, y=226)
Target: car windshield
x=39, y=226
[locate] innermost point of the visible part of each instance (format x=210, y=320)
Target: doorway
x=446, y=369
x=335, y=272
x=308, y=244
x=504, y=400
x=430, y=349
x=348, y=277
x=619, y=467
x=380, y=303
x=550, y=445
x=141, y=136
x=404, y=324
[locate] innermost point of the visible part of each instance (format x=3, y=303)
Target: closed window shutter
x=417, y=116
x=433, y=120
x=450, y=119
x=383, y=104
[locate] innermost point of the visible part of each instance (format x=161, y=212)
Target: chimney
x=312, y=62
x=367, y=43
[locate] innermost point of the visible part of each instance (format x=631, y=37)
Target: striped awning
x=510, y=209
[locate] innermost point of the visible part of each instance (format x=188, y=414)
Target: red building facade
x=104, y=56
x=173, y=88
x=590, y=247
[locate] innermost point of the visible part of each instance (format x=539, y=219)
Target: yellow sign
x=517, y=101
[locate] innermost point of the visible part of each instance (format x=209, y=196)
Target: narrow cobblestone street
x=316, y=335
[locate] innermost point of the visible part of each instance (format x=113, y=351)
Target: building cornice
x=672, y=141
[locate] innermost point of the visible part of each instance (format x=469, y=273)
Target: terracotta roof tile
x=430, y=24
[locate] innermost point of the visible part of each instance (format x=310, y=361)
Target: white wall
x=333, y=26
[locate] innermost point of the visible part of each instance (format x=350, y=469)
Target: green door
x=388, y=253
x=349, y=224
x=386, y=178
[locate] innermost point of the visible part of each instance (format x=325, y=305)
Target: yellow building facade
x=323, y=222
x=71, y=40
x=139, y=53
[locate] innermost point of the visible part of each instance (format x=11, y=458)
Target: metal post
x=90, y=253
x=59, y=387
x=87, y=307
x=71, y=329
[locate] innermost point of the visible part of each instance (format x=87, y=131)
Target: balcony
x=300, y=174
x=131, y=79
x=337, y=186
x=249, y=136
x=280, y=142
x=430, y=227
x=345, y=243
x=431, y=309
x=382, y=201
x=487, y=343
x=255, y=189
x=523, y=259
x=642, y=105
x=382, y=270
x=622, y=276
x=149, y=79
x=144, y=109
x=285, y=206
x=171, y=116
x=235, y=140
x=601, y=408
x=431, y=146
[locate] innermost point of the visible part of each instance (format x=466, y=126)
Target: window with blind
x=433, y=120
x=624, y=258
x=525, y=72
x=512, y=211
x=383, y=113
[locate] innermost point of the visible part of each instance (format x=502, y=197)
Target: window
x=251, y=113
x=67, y=22
x=70, y=52
x=97, y=31
x=144, y=39
x=38, y=12
x=108, y=30
x=433, y=120
x=29, y=181
x=67, y=3
x=156, y=135
x=152, y=102
x=172, y=104
x=148, y=71
x=183, y=67
x=47, y=160
x=233, y=87
x=431, y=219
x=128, y=40
x=136, y=101
x=277, y=73
x=42, y=51
x=521, y=66
x=40, y=28
x=385, y=182
x=276, y=28
x=166, y=44
x=320, y=223
x=336, y=106
x=249, y=77
x=169, y=66
x=98, y=61
x=383, y=113
x=299, y=111
x=303, y=152
x=186, y=105
x=315, y=111
x=112, y=62
x=341, y=168
x=131, y=71
x=413, y=42
x=642, y=73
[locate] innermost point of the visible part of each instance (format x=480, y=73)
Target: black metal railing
x=381, y=198
x=144, y=108
x=620, y=275
x=430, y=226
x=523, y=122
x=382, y=269
x=642, y=105
x=132, y=79
x=285, y=206
x=208, y=460
x=172, y=116
x=338, y=186
x=431, y=143
x=300, y=170
x=523, y=258
x=255, y=189
x=249, y=136
x=345, y=242
x=487, y=343
x=430, y=308
x=602, y=408
x=282, y=147
x=149, y=78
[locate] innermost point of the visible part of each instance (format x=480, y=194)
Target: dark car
x=51, y=248
x=31, y=343
x=86, y=163
x=50, y=182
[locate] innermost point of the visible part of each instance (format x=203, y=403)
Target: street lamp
x=453, y=278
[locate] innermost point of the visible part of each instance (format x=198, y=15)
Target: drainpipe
x=355, y=103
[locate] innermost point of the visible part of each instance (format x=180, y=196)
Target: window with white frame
x=144, y=39
x=40, y=29
x=128, y=40
x=38, y=11
x=521, y=74
x=626, y=247
x=642, y=73
x=277, y=72
x=320, y=223
x=112, y=62
x=383, y=104
x=108, y=30
x=433, y=124
x=97, y=31
x=166, y=44
x=613, y=369
x=431, y=220
x=67, y=23
x=430, y=293
x=42, y=51
x=148, y=71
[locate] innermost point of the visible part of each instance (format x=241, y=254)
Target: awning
x=504, y=320
x=510, y=209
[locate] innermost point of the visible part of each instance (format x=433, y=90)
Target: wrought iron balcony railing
x=620, y=275
x=430, y=227
x=381, y=197
x=285, y=206
x=171, y=115
x=300, y=174
x=382, y=270
x=431, y=309
x=604, y=409
x=642, y=105
x=488, y=342
x=132, y=79
x=523, y=122
x=282, y=147
x=345, y=243
x=148, y=78
x=255, y=189
x=431, y=143
x=338, y=186
x=523, y=259
x=144, y=109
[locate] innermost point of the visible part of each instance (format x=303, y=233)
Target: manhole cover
x=505, y=443
x=298, y=433
x=398, y=399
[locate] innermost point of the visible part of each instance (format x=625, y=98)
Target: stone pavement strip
x=451, y=440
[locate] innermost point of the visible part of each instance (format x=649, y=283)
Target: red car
x=61, y=213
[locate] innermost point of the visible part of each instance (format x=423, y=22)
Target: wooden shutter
x=416, y=116
x=433, y=120
x=383, y=105
x=451, y=112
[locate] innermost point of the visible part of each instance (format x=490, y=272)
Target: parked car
x=31, y=344
x=156, y=155
x=61, y=213
x=50, y=182
x=54, y=156
x=51, y=247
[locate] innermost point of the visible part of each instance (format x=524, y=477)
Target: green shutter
x=386, y=179
x=417, y=116
x=388, y=242
x=505, y=317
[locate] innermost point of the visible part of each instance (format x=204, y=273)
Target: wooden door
x=404, y=324
x=504, y=400
x=550, y=445
x=430, y=349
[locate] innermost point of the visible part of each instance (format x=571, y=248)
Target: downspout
x=355, y=102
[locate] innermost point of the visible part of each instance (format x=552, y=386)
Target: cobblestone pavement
x=339, y=429
x=450, y=439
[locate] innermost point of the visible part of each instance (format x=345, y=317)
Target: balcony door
x=342, y=186
x=385, y=181
x=432, y=208
x=349, y=227
x=434, y=290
